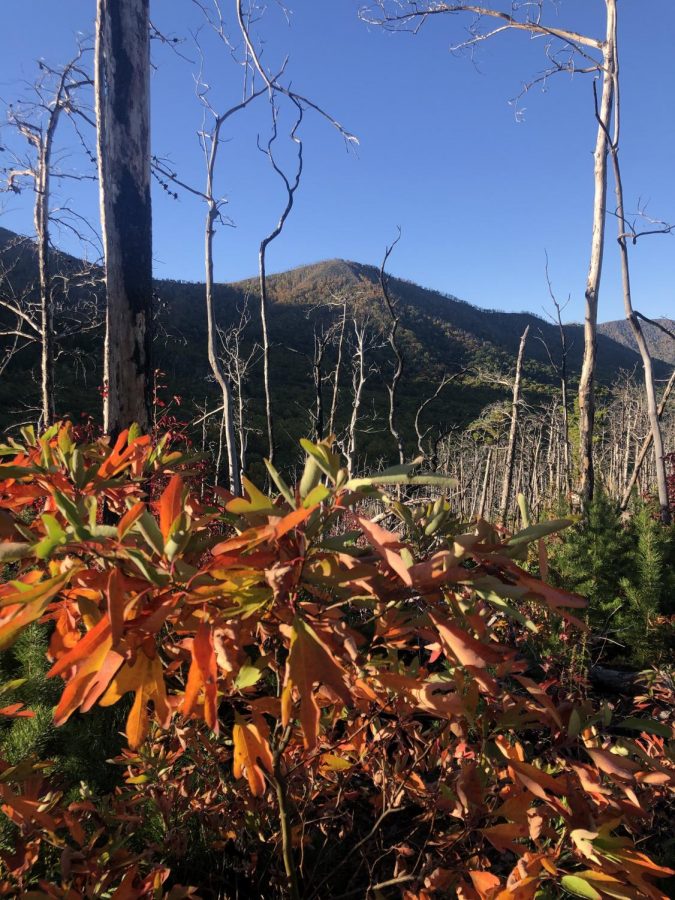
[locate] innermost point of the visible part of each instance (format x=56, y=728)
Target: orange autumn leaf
x=467, y=649
x=115, y=598
x=149, y=686
x=170, y=505
x=310, y=662
x=252, y=752
x=613, y=765
x=18, y=608
x=384, y=542
x=129, y=518
x=485, y=883
x=202, y=676
x=292, y=520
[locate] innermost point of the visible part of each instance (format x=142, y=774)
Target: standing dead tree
x=631, y=316
x=276, y=89
x=36, y=120
x=513, y=430
x=421, y=435
x=340, y=334
x=394, y=321
x=592, y=293
x=210, y=140
x=20, y=318
x=646, y=444
x=561, y=371
x=291, y=185
x=362, y=342
x=566, y=51
x=122, y=88
x=323, y=337
x=238, y=364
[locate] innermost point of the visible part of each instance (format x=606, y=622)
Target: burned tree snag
x=513, y=432
x=123, y=121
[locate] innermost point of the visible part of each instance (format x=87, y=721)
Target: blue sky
x=480, y=196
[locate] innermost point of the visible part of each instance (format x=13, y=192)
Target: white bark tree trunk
x=513, y=431
x=633, y=321
x=645, y=445
x=587, y=379
x=41, y=221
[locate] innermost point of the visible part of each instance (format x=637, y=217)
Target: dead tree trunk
x=336, y=378
x=290, y=187
x=587, y=379
x=483, y=493
x=321, y=340
x=41, y=219
x=227, y=421
x=633, y=320
x=358, y=382
x=123, y=119
x=395, y=319
x=513, y=431
x=646, y=444
x=25, y=118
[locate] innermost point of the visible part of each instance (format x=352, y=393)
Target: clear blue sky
x=480, y=197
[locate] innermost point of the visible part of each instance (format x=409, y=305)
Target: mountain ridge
x=617, y=329
x=439, y=334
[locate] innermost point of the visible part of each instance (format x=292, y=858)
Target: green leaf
x=250, y=674
x=256, y=502
x=435, y=522
x=494, y=599
x=16, y=471
x=429, y=480
x=55, y=537
x=147, y=570
x=28, y=434
x=76, y=468
x=284, y=489
x=574, y=725
x=311, y=476
x=318, y=494
x=149, y=528
x=12, y=685
x=104, y=531
x=341, y=541
x=579, y=887
x=495, y=591
x=524, y=510
x=534, y=532
x=404, y=469
x=328, y=462
x=647, y=725
x=71, y=514
x=135, y=431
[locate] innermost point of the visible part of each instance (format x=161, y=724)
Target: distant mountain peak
x=661, y=345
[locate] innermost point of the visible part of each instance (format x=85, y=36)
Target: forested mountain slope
x=438, y=333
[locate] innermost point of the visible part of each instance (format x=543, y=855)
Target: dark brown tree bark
x=123, y=120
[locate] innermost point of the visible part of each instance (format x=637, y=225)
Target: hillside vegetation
x=440, y=334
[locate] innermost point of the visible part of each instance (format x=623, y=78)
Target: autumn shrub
x=317, y=706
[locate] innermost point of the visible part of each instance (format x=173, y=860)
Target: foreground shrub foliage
x=315, y=705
